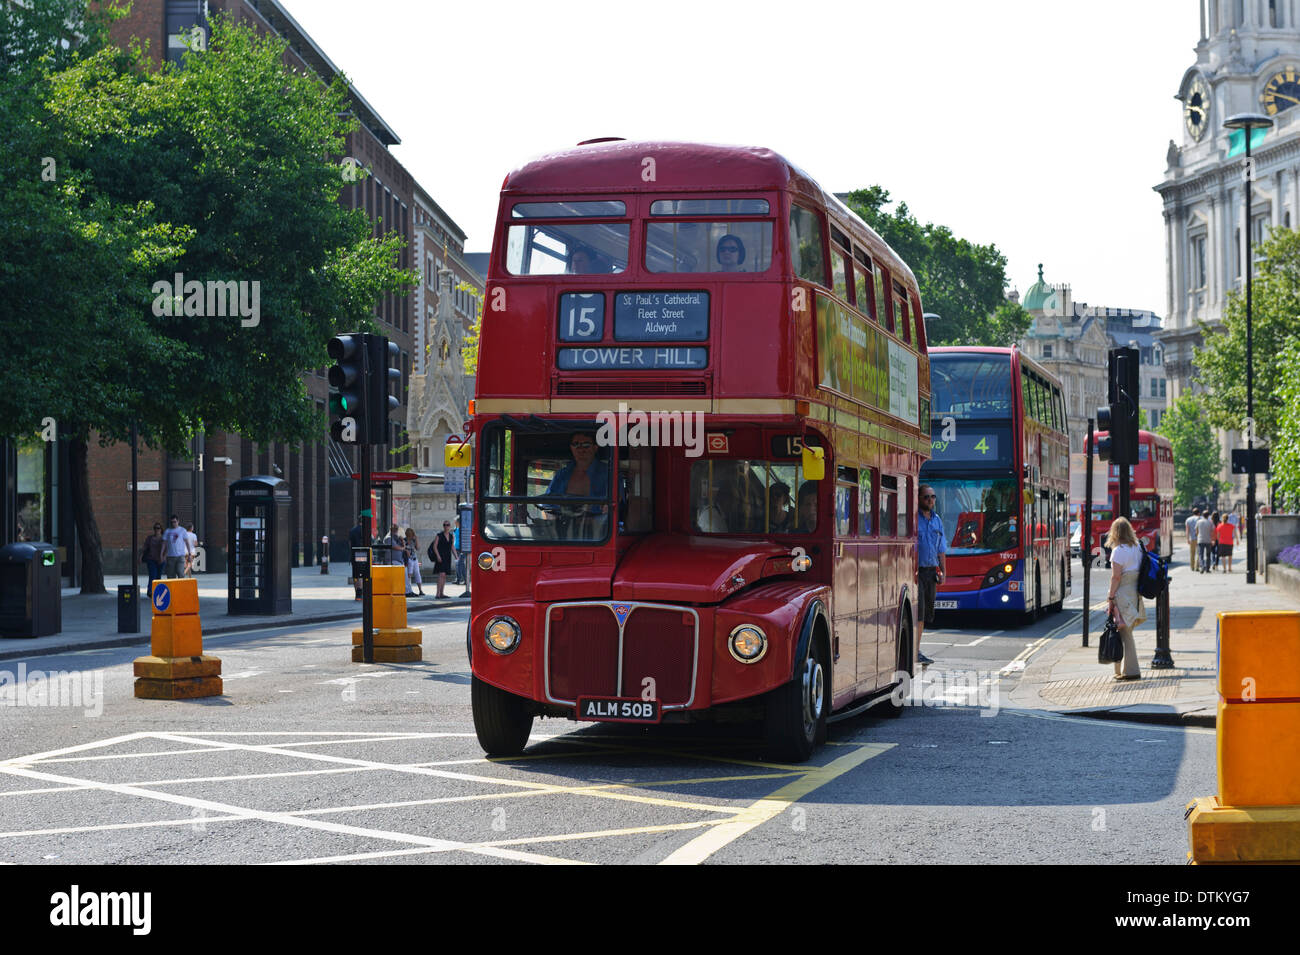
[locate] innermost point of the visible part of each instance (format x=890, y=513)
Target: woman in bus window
x=583, y=260
x=778, y=496
x=1123, y=602
x=731, y=253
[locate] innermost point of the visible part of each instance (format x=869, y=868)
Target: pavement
x=90, y=621
x=1065, y=677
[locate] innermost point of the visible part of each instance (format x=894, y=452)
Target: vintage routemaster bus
x=701, y=406
x=1151, y=495
x=1000, y=470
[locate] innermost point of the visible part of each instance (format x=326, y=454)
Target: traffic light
x=348, y=405
x=1106, y=422
x=1122, y=368
x=381, y=403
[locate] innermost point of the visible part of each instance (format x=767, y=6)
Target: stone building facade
x=1071, y=339
x=1247, y=61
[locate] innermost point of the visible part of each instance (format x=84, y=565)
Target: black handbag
x=1110, y=648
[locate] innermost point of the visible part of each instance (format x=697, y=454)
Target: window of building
x=181, y=17
x=1198, y=262
x=1162, y=387
x=1047, y=351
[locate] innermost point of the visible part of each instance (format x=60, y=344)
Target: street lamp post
x=1248, y=123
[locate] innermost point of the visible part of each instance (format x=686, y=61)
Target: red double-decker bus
x=1151, y=495
x=1001, y=475
x=701, y=406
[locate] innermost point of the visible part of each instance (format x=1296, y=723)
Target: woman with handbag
x=1123, y=602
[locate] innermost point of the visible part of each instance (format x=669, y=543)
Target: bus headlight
x=748, y=643
x=502, y=635
x=997, y=575
x=485, y=560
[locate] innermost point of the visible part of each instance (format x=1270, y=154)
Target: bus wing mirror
x=814, y=463
x=456, y=455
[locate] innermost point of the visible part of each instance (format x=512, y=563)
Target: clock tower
x=1247, y=61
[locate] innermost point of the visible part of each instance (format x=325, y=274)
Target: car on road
x=1075, y=530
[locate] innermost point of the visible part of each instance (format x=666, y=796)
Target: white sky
x=1038, y=126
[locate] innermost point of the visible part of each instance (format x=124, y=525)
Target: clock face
x=1196, y=107
x=1281, y=92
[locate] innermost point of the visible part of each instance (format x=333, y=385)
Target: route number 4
x=983, y=446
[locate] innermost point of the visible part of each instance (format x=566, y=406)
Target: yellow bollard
x=1256, y=815
x=394, y=641
x=176, y=668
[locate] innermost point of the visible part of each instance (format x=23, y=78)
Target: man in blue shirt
x=931, y=546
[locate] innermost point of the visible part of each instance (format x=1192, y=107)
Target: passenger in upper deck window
x=731, y=253
x=582, y=259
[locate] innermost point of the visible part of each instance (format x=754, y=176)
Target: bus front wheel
x=501, y=719
x=795, y=716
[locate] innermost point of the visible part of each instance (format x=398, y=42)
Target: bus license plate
x=945, y=605
x=617, y=709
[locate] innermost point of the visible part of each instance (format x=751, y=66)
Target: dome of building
x=1038, y=295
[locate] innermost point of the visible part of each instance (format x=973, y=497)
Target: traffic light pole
x=367, y=603
x=1085, y=538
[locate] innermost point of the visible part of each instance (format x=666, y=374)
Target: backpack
x=433, y=554
x=1153, y=574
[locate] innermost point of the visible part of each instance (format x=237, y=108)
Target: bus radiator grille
x=621, y=387
x=583, y=653
x=660, y=645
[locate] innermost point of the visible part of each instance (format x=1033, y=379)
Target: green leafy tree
x=225, y=170
x=1284, y=455
x=1221, y=362
x=961, y=282
x=1198, y=459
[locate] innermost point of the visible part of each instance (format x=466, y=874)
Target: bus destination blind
x=661, y=316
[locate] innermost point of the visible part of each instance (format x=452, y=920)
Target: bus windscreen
x=970, y=385
x=979, y=515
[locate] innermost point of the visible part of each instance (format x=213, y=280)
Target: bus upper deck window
x=709, y=207
x=559, y=248
x=730, y=246
x=807, y=244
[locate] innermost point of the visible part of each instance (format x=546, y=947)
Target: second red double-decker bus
x=1151, y=495
x=702, y=402
x=1000, y=471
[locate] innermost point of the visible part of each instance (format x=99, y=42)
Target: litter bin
x=31, y=601
x=128, y=609
x=258, y=559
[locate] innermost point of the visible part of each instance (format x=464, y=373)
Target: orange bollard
x=176, y=668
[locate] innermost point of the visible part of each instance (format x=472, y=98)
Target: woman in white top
x=1123, y=601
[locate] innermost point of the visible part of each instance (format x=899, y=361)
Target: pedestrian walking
x=1204, y=543
x=413, y=577
x=1191, y=536
x=356, y=538
x=395, y=546
x=442, y=549
x=931, y=551
x=1225, y=534
x=152, y=554
x=1124, y=602
x=460, y=556
x=177, y=547
x=1214, y=536
x=192, y=540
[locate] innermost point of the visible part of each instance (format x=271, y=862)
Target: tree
x=1198, y=459
x=1284, y=455
x=1221, y=361
x=223, y=171
x=961, y=282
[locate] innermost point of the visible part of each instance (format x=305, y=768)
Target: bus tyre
x=892, y=708
x=795, y=716
x=501, y=719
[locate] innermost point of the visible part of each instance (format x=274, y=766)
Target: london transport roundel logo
x=162, y=597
